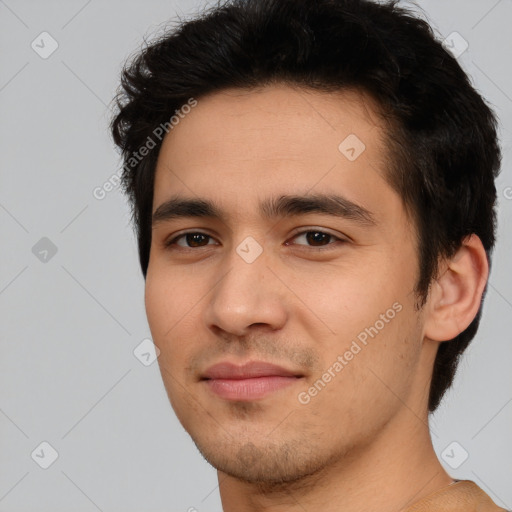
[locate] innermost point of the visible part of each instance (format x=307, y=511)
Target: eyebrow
x=271, y=208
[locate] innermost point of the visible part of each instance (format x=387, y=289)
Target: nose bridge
x=242, y=285
x=246, y=294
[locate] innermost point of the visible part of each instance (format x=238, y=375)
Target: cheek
x=375, y=379
x=372, y=326
x=174, y=301
x=157, y=306
x=166, y=311
x=169, y=299
x=349, y=298
x=172, y=331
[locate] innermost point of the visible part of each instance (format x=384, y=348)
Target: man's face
x=329, y=298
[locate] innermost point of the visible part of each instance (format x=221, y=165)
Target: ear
x=456, y=295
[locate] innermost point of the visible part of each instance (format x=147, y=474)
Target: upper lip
x=227, y=370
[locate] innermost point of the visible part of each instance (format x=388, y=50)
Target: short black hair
x=442, y=136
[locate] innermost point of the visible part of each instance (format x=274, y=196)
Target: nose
x=248, y=295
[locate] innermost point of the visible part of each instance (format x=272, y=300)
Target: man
x=313, y=191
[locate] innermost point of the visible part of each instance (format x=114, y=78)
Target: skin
x=363, y=441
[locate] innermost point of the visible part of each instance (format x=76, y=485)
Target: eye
x=195, y=239
x=317, y=238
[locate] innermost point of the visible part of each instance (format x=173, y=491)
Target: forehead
x=238, y=146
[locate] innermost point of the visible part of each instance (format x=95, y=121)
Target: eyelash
x=172, y=242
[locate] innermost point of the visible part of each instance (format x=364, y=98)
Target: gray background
x=71, y=320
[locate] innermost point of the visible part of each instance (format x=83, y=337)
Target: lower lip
x=249, y=389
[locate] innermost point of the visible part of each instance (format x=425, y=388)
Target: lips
x=249, y=370
x=251, y=381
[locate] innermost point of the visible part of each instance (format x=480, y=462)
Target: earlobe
x=456, y=295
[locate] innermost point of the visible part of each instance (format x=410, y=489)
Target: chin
x=265, y=464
